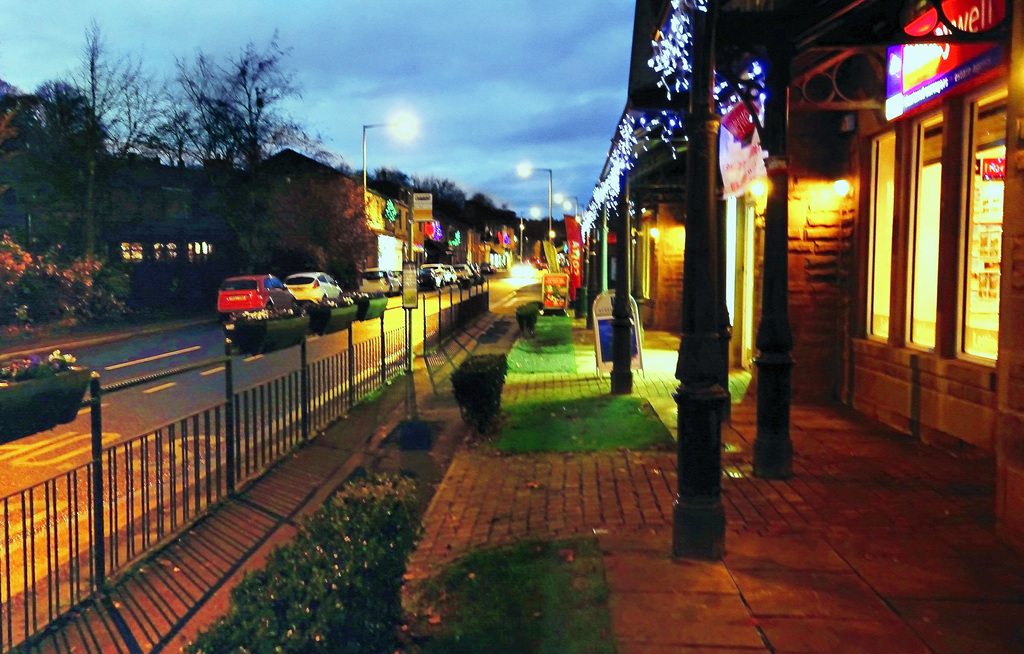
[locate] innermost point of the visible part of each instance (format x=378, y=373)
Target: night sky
x=492, y=83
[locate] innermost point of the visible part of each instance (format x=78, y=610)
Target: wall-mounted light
x=654, y=233
x=842, y=187
x=758, y=189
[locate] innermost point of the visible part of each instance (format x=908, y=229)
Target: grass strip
x=540, y=597
x=550, y=349
x=582, y=425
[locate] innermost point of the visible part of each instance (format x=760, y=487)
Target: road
x=150, y=406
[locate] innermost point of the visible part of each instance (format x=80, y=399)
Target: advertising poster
x=555, y=291
x=410, y=296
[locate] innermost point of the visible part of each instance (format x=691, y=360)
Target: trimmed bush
x=526, y=316
x=477, y=384
x=336, y=588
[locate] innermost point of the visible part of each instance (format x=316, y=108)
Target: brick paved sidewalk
x=876, y=544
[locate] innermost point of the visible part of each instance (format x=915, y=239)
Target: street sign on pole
x=422, y=207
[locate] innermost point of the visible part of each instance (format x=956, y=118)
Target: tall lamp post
x=522, y=235
x=526, y=170
x=404, y=128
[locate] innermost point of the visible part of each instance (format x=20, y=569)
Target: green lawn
x=582, y=425
x=549, y=350
x=543, y=597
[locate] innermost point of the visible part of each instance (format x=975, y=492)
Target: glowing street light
x=569, y=202
x=526, y=170
x=404, y=127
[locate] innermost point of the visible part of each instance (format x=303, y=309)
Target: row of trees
x=72, y=138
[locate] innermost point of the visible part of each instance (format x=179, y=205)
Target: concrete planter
x=253, y=337
x=323, y=320
x=35, y=405
x=371, y=308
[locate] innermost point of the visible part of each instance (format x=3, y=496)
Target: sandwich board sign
x=602, y=312
x=555, y=291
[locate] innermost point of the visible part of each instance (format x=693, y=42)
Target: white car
x=312, y=287
x=375, y=280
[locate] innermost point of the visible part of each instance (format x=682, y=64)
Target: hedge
x=336, y=588
x=477, y=384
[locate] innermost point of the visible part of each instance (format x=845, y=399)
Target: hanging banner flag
x=740, y=156
x=574, y=239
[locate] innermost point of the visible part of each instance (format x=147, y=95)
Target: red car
x=252, y=293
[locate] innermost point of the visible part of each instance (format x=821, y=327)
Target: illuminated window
x=924, y=259
x=165, y=251
x=985, y=227
x=131, y=251
x=199, y=251
x=883, y=176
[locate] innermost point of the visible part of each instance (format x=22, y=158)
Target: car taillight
x=316, y=283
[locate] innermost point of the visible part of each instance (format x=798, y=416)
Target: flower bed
x=37, y=394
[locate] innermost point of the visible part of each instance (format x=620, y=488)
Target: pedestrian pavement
x=876, y=544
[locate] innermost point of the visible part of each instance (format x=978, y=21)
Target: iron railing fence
x=153, y=486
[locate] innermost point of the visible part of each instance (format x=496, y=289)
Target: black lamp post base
x=773, y=449
x=698, y=529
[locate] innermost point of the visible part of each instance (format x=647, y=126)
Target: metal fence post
x=230, y=429
x=99, y=549
x=383, y=353
x=304, y=388
x=424, y=346
x=440, y=317
x=351, y=370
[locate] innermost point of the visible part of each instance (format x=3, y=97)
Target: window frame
x=876, y=146
x=920, y=127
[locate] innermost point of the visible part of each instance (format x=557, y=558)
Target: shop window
x=924, y=259
x=131, y=252
x=980, y=336
x=883, y=183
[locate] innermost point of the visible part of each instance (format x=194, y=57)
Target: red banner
x=574, y=239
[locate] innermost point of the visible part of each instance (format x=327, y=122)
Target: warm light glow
x=758, y=189
x=842, y=187
x=522, y=226
x=551, y=234
x=654, y=233
x=535, y=212
x=524, y=169
x=405, y=126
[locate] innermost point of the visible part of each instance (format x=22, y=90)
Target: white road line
x=155, y=357
x=161, y=387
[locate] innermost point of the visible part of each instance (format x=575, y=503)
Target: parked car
x=375, y=280
x=486, y=268
x=313, y=287
x=465, y=275
x=396, y=275
x=252, y=293
x=431, y=276
x=449, y=271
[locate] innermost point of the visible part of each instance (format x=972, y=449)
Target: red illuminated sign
x=990, y=169
x=966, y=15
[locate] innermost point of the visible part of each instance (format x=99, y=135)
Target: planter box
x=327, y=321
x=35, y=405
x=370, y=308
x=261, y=336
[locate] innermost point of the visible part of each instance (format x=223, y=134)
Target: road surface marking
x=87, y=409
x=155, y=357
x=161, y=387
x=212, y=371
x=253, y=358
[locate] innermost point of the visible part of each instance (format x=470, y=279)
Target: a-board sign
x=555, y=291
x=602, y=312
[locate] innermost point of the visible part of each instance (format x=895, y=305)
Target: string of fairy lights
x=671, y=55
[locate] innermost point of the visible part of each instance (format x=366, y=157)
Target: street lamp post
x=526, y=170
x=522, y=235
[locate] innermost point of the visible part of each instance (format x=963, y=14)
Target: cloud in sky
x=493, y=84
